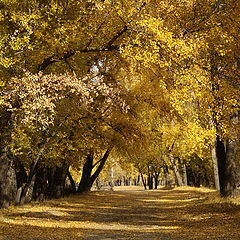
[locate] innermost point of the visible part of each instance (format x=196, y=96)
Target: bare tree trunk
x=60, y=181
x=8, y=183
x=31, y=176
x=73, y=185
x=21, y=177
x=143, y=181
x=88, y=178
x=167, y=177
x=228, y=169
x=100, y=167
x=40, y=184
x=27, y=186
x=232, y=170
x=156, y=176
x=84, y=184
x=215, y=166
x=28, y=197
x=184, y=173
x=111, y=183
x=178, y=176
x=226, y=155
x=150, y=181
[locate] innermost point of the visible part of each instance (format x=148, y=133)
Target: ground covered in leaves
x=181, y=213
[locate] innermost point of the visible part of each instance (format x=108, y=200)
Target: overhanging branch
x=55, y=58
x=108, y=47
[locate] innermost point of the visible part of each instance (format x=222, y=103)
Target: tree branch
x=55, y=58
x=109, y=46
x=101, y=165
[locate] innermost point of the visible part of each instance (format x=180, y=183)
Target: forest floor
x=178, y=214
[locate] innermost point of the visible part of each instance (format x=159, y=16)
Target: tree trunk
x=194, y=179
x=73, y=184
x=221, y=158
x=138, y=179
x=21, y=174
x=232, y=170
x=150, y=181
x=98, y=183
x=184, y=173
x=100, y=167
x=226, y=155
x=167, y=177
x=28, y=187
x=143, y=181
x=156, y=176
x=8, y=186
x=21, y=177
x=8, y=183
x=178, y=176
x=85, y=184
x=111, y=183
x=40, y=185
x=58, y=179
x=228, y=169
x=215, y=165
x=87, y=179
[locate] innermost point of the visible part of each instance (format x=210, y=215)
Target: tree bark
x=73, y=184
x=40, y=185
x=228, y=169
x=27, y=186
x=31, y=177
x=167, y=177
x=184, y=172
x=21, y=174
x=193, y=179
x=215, y=165
x=156, y=176
x=150, y=181
x=100, y=167
x=8, y=183
x=85, y=184
x=88, y=178
x=232, y=170
x=143, y=181
x=221, y=158
x=60, y=180
x=178, y=176
x=57, y=180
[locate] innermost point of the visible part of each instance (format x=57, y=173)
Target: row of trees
x=153, y=83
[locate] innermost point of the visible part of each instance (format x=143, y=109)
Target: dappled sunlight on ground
x=126, y=213
x=169, y=200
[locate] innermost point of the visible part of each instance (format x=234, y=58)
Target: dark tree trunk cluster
x=8, y=186
x=227, y=167
x=88, y=178
x=41, y=182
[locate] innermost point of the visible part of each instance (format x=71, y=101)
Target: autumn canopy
x=149, y=86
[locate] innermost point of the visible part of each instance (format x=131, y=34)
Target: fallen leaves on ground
x=127, y=213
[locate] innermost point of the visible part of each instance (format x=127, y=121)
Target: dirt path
x=165, y=215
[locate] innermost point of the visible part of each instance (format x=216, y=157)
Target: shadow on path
x=164, y=215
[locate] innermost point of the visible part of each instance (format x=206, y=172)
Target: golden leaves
x=38, y=95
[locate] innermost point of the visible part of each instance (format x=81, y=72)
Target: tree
x=174, y=63
x=193, y=50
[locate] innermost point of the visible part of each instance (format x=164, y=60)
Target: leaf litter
x=126, y=213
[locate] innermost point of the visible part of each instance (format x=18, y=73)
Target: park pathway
x=179, y=214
